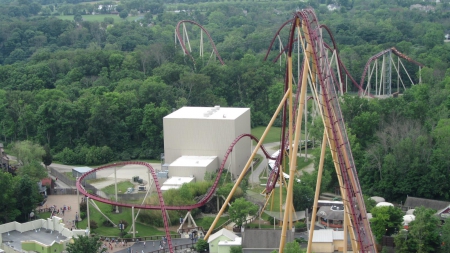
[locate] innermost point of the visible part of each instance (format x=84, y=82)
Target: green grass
x=121, y=187
x=70, y=175
x=142, y=229
x=44, y=216
x=273, y=135
x=99, y=18
x=206, y=222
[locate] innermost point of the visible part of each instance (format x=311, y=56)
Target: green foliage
x=27, y=197
x=386, y=220
x=47, y=158
x=8, y=202
x=423, y=231
x=27, y=152
x=84, y=244
x=34, y=170
x=236, y=249
x=303, y=196
x=93, y=224
x=240, y=209
x=445, y=236
x=293, y=247
x=201, y=245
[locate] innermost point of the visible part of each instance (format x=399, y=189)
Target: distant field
x=272, y=136
x=99, y=18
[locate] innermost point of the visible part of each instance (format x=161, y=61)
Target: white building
x=197, y=138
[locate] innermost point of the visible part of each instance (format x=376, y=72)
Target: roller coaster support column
x=134, y=227
x=88, y=215
x=247, y=165
x=115, y=187
x=317, y=193
x=293, y=155
x=78, y=200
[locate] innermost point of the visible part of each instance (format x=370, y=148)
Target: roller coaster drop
x=317, y=73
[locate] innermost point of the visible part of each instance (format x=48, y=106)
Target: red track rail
x=378, y=55
x=336, y=128
x=161, y=205
x=180, y=39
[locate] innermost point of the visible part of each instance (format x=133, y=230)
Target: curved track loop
x=307, y=22
x=180, y=39
x=334, y=48
x=376, y=56
x=161, y=205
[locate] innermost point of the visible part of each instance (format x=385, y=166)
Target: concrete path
x=272, y=148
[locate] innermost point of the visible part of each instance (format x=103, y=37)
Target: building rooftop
x=223, y=232
x=193, y=161
x=413, y=202
x=176, y=182
x=15, y=238
x=82, y=169
x=216, y=112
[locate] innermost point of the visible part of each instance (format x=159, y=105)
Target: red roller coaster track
x=180, y=39
x=378, y=55
x=161, y=205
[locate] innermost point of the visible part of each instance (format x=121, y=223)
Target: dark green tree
x=201, y=245
x=303, y=196
x=423, y=231
x=26, y=192
x=47, y=158
x=8, y=207
x=123, y=14
x=240, y=209
x=84, y=244
x=386, y=220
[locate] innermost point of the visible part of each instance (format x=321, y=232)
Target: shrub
x=94, y=224
x=107, y=223
x=83, y=207
x=82, y=215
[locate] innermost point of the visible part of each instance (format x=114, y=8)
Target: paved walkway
x=60, y=201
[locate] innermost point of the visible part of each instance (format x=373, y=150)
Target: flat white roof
x=216, y=112
x=178, y=181
x=237, y=242
x=193, y=161
x=82, y=169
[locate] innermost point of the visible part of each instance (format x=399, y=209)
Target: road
x=272, y=148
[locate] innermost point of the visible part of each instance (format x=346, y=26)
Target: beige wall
x=322, y=247
x=207, y=137
x=198, y=172
x=338, y=245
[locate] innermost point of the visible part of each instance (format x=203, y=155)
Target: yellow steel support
x=247, y=165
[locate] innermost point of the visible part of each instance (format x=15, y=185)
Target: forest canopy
x=96, y=91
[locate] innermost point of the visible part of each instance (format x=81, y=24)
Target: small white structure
x=176, y=182
x=384, y=204
x=327, y=240
x=206, y=131
x=79, y=171
x=223, y=240
x=378, y=199
x=194, y=166
x=407, y=219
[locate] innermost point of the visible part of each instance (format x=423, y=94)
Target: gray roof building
x=413, y=202
x=263, y=240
